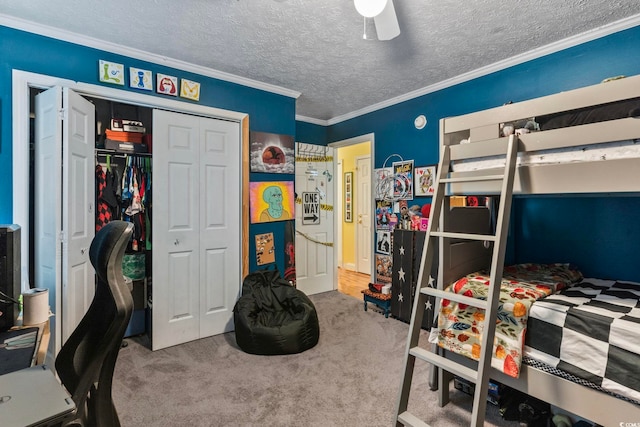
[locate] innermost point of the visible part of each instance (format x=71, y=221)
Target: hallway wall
x=348, y=157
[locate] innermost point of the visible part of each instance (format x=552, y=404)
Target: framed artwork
x=271, y=201
x=348, y=197
x=111, y=72
x=167, y=85
x=140, y=79
x=271, y=152
x=190, y=89
x=425, y=178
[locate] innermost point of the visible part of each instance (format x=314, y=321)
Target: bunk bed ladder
x=480, y=376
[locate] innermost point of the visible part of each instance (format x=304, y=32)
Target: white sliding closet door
x=196, y=227
x=64, y=206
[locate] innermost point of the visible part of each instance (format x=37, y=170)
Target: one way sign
x=310, y=208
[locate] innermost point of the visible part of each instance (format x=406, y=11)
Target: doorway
x=354, y=207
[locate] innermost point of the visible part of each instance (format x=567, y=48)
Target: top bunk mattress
x=595, y=129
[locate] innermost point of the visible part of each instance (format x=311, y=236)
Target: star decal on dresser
x=401, y=274
x=431, y=280
x=427, y=305
x=400, y=298
x=401, y=250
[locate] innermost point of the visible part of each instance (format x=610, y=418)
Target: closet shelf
x=106, y=151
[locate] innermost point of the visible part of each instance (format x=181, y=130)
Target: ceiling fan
x=384, y=17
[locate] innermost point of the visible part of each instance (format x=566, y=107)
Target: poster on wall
x=271, y=201
x=383, y=268
x=383, y=239
x=384, y=183
x=265, y=252
x=425, y=178
x=271, y=152
x=384, y=211
x=290, y=253
x=403, y=183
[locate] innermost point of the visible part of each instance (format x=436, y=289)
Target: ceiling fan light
x=370, y=8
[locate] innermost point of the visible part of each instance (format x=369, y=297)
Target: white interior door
x=196, y=254
x=64, y=206
x=315, y=271
x=363, y=214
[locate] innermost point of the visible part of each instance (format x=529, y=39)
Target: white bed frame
x=457, y=258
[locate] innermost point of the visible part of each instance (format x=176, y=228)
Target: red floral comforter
x=460, y=326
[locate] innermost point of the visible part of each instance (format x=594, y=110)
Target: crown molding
x=311, y=120
x=563, y=44
x=68, y=36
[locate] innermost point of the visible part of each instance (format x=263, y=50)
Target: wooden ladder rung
x=478, y=178
x=474, y=302
x=410, y=420
x=464, y=236
x=449, y=365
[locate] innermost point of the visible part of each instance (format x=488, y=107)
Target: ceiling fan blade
x=386, y=22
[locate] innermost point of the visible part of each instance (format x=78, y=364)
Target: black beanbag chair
x=272, y=317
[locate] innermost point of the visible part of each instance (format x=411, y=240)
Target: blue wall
x=311, y=133
x=29, y=52
x=598, y=246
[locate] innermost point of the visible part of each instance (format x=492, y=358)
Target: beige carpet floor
x=351, y=378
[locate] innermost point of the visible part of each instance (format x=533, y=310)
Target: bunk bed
x=583, y=141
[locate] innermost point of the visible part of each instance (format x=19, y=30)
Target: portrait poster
x=425, y=178
x=403, y=183
x=271, y=201
x=383, y=268
x=271, y=152
x=383, y=242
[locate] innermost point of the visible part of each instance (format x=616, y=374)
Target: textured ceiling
x=316, y=47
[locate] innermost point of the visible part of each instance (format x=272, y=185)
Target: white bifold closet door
x=196, y=227
x=64, y=206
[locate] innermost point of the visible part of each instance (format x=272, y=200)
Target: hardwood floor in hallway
x=351, y=282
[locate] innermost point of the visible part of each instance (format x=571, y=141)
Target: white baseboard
x=351, y=267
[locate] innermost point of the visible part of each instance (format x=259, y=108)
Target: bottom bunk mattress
x=459, y=327
x=591, y=331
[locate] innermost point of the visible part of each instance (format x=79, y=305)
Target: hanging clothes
x=103, y=213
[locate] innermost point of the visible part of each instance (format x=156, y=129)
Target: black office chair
x=87, y=359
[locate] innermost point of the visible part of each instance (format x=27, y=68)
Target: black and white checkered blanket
x=591, y=330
